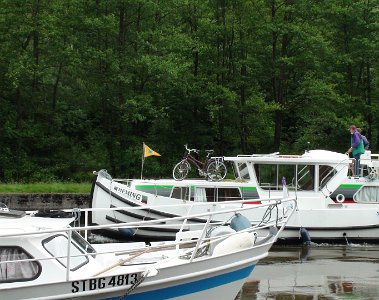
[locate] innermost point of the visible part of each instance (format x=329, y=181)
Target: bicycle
x=213, y=169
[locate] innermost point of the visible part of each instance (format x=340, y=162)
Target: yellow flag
x=147, y=151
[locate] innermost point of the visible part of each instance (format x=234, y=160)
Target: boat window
x=222, y=194
x=235, y=171
x=305, y=177
x=269, y=176
x=289, y=173
x=57, y=247
x=326, y=173
x=367, y=194
x=199, y=195
x=13, y=271
x=180, y=193
x=160, y=190
x=163, y=190
x=82, y=243
x=243, y=171
x=266, y=175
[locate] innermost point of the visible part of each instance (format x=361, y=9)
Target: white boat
x=333, y=206
x=45, y=258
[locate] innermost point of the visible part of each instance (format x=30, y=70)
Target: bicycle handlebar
x=191, y=150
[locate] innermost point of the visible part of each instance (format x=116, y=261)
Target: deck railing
x=284, y=209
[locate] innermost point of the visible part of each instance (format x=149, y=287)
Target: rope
x=121, y=262
x=135, y=285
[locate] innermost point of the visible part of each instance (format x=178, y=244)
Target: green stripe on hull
x=154, y=187
x=350, y=186
x=248, y=188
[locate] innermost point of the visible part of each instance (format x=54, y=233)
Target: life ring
x=340, y=198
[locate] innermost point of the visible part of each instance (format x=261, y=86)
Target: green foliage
x=80, y=188
x=84, y=83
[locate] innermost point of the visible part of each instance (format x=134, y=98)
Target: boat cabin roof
x=312, y=157
x=32, y=224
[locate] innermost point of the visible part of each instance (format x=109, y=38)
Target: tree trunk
x=369, y=101
x=280, y=84
x=36, y=52
x=243, y=74
x=55, y=89
x=278, y=114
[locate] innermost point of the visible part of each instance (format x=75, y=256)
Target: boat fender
x=340, y=198
x=126, y=231
x=216, y=232
x=305, y=236
x=240, y=222
x=234, y=243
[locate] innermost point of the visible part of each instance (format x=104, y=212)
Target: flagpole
x=143, y=158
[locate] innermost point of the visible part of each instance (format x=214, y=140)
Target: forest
x=83, y=83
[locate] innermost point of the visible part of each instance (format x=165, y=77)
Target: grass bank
x=56, y=187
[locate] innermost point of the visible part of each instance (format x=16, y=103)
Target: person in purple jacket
x=356, y=148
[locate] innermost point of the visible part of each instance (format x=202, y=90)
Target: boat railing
x=258, y=155
x=334, y=171
x=288, y=206
x=302, y=173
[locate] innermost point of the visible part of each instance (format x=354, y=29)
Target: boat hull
x=331, y=225
x=220, y=277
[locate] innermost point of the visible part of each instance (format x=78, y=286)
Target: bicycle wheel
x=216, y=170
x=181, y=169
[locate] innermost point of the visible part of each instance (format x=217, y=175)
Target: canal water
x=315, y=272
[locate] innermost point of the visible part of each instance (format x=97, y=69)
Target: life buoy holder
x=340, y=198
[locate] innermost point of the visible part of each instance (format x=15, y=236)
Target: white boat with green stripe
x=333, y=204
x=166, y=199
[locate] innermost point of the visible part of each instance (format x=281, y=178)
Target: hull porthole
x=340, y=198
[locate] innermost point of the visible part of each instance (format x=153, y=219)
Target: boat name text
x=103, y=282
x=128, y=193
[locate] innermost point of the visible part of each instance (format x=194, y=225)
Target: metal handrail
x=284, y=218
x=330, y=172
x=139, y=223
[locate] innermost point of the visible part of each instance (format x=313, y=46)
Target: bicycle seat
x=209, y=151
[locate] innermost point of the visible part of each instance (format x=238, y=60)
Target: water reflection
x=316, y=272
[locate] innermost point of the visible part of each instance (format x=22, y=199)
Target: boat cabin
x=256, y=176
x=312, y=171
x=21, y=250
x=317, y=172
